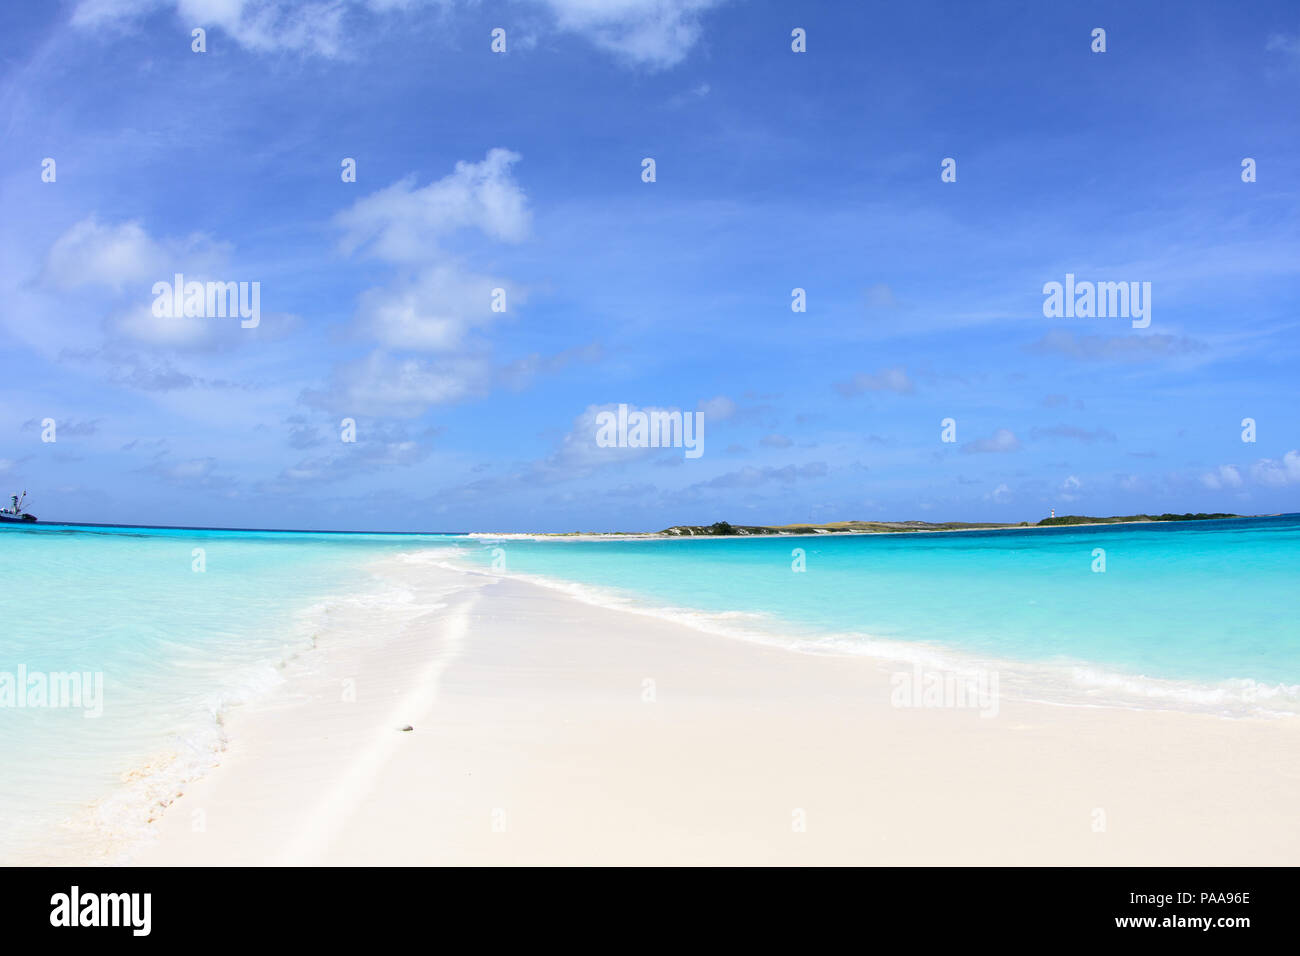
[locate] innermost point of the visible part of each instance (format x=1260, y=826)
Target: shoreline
x=533, y=742
x=661, y=536
x=1037, y=682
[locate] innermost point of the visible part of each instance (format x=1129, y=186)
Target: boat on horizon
x=15, y=512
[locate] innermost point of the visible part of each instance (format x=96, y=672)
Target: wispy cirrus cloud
x=1287, y=46
x=886, y=380
x=399, y=386
x=378, y=446
x=260, y=26
x=653, y=34
x=1001, y=441
x=656, y=34
x=1072, y=432
x=1116, y=348
x=752, y=476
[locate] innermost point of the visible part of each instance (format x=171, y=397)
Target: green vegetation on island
x=723, y=528
x=1085, y=519
x=726, y=529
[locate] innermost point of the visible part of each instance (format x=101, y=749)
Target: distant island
x=723, y=528
x=726, y=529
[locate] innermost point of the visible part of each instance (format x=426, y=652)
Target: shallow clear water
x=1198, y=603
x=1192, y=615
x=173, y=646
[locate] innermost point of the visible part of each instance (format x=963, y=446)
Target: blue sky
x=522, y=171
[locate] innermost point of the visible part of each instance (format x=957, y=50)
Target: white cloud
x=261, y=26
x=1000, y=494
x=403, y=387
x=1116, y=348
x=139, y=324
x=1269, y=471
x=653, y=33
x=126, y=260
x=886, y=380
x=116, y=256
x=1002, y=440
x=578, y=453
x=432, y=312
x=1288, y=46
x=1266, y=471
x=1225, y=476
x=403, y=223
x=433, y=302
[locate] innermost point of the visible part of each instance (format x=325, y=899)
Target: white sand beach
x=535, y=740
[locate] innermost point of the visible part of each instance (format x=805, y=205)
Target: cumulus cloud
x=405, y=223
x=1225, y=476
x=432, y=311
x=578, y=454
x=656, y=34
x=123, y=256
x=115, y=267
x=433, y=303
x=1270, y=471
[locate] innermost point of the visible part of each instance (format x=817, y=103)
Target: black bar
x=330, y=906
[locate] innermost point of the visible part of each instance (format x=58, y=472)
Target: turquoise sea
x=172, y=645
x=1199, y=616
x=1201, y=613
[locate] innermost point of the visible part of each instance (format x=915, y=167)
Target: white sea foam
x=109, y=828
x=1064, y=682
